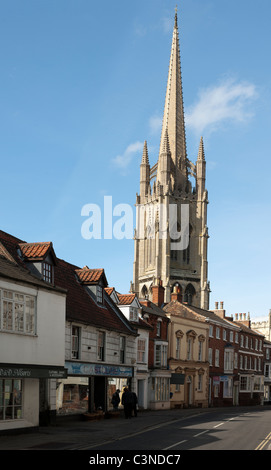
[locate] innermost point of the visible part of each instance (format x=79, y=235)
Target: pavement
x=73, y=433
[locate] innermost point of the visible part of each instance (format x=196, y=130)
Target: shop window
x=245, y=383
x=10, y=399
x=227, y=388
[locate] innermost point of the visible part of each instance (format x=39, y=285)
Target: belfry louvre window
x=17, y=312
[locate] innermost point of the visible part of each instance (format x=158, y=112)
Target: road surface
x=225, y=430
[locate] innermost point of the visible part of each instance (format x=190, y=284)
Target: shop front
x=89, y=387
x=21, y=394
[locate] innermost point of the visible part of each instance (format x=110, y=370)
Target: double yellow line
x=264, y=442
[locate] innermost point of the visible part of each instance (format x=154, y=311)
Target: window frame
x=47, y=272
x=3, y=397
x=75, y=339
x=25, y=317
x=101, y=346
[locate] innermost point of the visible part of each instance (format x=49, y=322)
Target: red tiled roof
x=126, y=299
x=80, y=305
x=35, y=250
x=109, y=290
x=185, y=311
x=13, y=272
x=88, y=276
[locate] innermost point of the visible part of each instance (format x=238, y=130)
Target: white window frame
x=11, y=404
x=160, y=359
x=48, y=272
x=17, y=312
x=141, y=350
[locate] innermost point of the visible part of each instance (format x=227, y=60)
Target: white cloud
x=122, y=161
x=226, y=102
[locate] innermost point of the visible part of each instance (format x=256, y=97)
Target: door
x=140, y=393
x=189, y=391
x=100, y=393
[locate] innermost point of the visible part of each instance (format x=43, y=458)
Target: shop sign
x=79, y=368
x=224, y=378
x=177, y=379
x=30, y=372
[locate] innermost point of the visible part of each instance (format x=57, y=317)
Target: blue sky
x=83, y=85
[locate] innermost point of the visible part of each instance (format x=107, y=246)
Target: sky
x=83, y=86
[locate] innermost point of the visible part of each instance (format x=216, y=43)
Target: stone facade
x=188, y=355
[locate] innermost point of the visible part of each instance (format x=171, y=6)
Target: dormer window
x=133, y=314
x=99, y=294
x=47, y=272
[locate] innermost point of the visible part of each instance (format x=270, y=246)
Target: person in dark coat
x=115, y=400
x=134, y=403
x=127, y=402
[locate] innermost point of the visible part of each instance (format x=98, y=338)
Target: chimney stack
x=158, y=293
x=176, y=294
x=244, y=319
x=220, y=311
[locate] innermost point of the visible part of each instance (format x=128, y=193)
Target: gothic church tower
x=172, y=253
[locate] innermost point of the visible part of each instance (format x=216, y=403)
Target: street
x=225, y=430
x=168, y=432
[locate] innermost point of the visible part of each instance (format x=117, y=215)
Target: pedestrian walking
x=116, y=400
x=127, y=402
x=134, y=403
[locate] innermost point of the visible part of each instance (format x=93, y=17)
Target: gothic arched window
x=189, y=294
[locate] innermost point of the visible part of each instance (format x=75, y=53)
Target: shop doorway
x=100, y=393
x=189, y=391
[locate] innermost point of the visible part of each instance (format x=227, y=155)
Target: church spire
x=173, y=119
